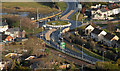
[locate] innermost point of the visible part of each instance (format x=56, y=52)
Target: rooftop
x=109, y=36
x=96, y=31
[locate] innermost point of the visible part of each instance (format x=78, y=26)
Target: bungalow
x=7, y=38
x=95, y=33
x=89, y=29
x=3, y=27
x=109, y=39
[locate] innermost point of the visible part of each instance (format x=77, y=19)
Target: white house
x=89, y=29
x=3, y=27
x=101, y=35
x=104, y=13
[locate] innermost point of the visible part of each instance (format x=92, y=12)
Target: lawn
x=62, y=5
x=29, y=7
x=101, y=25
x=57, y=23
x=88, y=52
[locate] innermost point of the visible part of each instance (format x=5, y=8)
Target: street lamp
x=103, y=55
x=82, y=50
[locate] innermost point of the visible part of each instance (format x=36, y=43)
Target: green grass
x=72, y=48
x=35, y=31
x=88, y=52
x=101, y=25
x=29, y=6
x=57, y=22
x=62, y=5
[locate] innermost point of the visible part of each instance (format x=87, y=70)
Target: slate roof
x=109, y=36
x=96, y=31
x=118, y=41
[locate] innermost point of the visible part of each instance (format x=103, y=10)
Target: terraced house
x=105, y=12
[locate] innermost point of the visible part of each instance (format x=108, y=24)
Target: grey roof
x=3, y=24
x=12, y=30
x=118, y=41
x=109, y=36
x=103, y=10
x=96, y=31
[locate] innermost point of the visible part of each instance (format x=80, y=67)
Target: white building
x=3, y=27
x=89, y=29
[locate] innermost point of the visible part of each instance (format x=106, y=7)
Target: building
x=89, y=29
x=109, y=39
x=95, y=34
x=3, y=27
x=106, y=11
x=14, y=32
x=7, y=38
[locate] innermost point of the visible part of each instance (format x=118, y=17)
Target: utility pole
x=37, y=14
x=82, y=50
x=103, y=55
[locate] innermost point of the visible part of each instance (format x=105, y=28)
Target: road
x=56, y=34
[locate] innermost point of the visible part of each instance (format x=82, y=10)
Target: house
x=89, y=29
x=64, y=66
x=106, y=11
x=94, y=34
x=7, y=38
x=109, y=39
x=3, y=27
x=14, y=32
x=11, y=54
x=2, y=65
x=101, y=35
x=30, y=57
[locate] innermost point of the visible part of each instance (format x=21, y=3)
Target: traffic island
x=57, y=24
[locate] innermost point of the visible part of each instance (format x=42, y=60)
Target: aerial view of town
x=60, y=36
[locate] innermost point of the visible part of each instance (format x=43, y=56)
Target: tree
x=83, y=10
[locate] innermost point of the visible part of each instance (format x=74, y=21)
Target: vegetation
x=57, y=23
x=62, y=5
x=29, y=7
x=80, y=17
x=24, y=24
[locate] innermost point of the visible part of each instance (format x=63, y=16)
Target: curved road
x=55, y=36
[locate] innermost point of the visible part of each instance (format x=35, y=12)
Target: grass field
x=57, y=23
x=62, y=5
x=29, y=7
